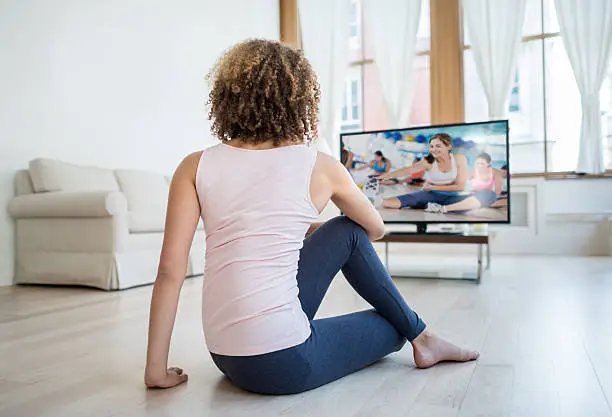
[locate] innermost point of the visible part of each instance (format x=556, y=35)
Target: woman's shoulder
x=325, y=161
x=188, y=167
x=460, y=158
x=328, y=166
x=193, y=158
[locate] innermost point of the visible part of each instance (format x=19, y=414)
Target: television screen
x=437, y=174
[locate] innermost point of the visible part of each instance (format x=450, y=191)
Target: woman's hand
x=385, y=176
x=313, y=227
x=171, y=378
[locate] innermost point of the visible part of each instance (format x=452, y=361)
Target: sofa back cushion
x=147, y=197
x=53, y=175
x=23, y=183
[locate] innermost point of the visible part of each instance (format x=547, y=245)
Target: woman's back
x=256, y=209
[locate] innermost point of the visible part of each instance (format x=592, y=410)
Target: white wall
x=564, y=217
x=115, y=83
x=554, y=217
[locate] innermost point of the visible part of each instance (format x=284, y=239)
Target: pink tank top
x=256, y=209
x=482, y=185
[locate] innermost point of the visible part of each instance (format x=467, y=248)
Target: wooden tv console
x=480, y=239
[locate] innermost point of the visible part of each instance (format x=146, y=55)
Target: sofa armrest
x=69, y=204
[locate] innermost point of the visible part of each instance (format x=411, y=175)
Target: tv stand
x=480, y=239
x=421, y=229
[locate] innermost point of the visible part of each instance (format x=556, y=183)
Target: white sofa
x=102, y=228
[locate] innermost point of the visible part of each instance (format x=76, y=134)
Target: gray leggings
x=339, y=345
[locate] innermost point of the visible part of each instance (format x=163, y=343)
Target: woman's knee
x=346, y=226
x=486, y=198
x=343, y=222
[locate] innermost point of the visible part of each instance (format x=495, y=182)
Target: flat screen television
x=435, y=174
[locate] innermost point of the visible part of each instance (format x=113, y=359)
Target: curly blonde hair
x=262, y=90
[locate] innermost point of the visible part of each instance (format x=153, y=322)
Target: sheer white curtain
x=325, y=41
x=495, y=29
x=393, y=26
x=586, y=30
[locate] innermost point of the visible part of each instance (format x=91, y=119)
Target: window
x=563, y=108
x=544, y=105
x=371, y=111
x=515, y=98
x=351, y=107
x=355, y=25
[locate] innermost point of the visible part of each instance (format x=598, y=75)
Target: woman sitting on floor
x=486, y=184
x=259, y=192
x=379, y=166
x=445, y=174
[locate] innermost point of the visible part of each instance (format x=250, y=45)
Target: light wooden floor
x=543, y=325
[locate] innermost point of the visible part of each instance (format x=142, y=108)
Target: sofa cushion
x=23, y=183
x=143, y=222
x=147, y=197
x=53, y=175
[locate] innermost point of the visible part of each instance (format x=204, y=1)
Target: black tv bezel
x=439, y=126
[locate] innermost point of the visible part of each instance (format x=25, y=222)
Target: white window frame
x=355, y=22
x=351, y=123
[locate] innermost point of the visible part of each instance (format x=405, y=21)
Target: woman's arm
x=349, y=160
x=498, y=182
x=422, y=165
x=370, y=165
x=402, y=172
x=181, y=222
x=388, y=167
x=331, y=181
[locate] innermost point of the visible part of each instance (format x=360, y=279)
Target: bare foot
x=430, y=349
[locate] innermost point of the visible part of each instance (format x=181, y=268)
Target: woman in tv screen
x=379, y=166
x=486, y=188
x=346, y=157
x=445, y=175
